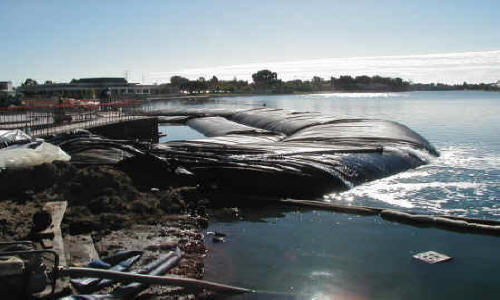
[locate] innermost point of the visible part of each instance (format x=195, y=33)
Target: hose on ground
x=188, y=283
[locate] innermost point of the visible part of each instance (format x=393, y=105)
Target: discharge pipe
x=151, y=279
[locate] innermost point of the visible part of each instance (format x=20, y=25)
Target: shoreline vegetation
x=266, y=82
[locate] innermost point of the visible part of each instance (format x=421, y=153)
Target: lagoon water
x=307, y=254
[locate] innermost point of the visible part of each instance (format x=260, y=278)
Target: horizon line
x=413, y=64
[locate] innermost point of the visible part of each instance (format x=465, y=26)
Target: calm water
x=323, y=255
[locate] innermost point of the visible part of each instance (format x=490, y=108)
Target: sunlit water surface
x=322, y=255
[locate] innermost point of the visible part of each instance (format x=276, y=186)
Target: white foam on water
x=492, y=211
x=466, y=157
x=409, y=195
x=424, y=189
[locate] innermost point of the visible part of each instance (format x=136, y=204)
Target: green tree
x=29, y=82
x=178, y=81
x=363, y=79
x=317, y=79
x=265, y=79
x=214, y=83
x=316, y=82
x=344, y=83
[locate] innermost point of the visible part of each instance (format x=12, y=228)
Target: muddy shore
x=118, y=214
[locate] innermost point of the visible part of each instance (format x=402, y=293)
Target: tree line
x=267, y=82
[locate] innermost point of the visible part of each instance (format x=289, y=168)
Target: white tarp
x=31, y=154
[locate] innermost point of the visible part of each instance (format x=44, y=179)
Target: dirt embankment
x=99, y=198
x=118, y=213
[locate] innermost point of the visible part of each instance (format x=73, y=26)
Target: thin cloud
x=473, y=67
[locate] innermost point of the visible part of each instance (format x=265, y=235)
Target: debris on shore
x=119, y=211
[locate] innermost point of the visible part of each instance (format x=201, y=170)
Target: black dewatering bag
x=308, y=155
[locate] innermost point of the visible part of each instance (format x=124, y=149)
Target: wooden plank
x=81, y=249
x=56, y=210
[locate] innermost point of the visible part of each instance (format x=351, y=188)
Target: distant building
x=90, y=88
x=6, y=87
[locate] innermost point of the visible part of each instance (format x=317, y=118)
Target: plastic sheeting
x=194, y=112
x=218, y=126
x=86, y=148
x=317, y=155
x=269, y=152
x=236, y=139
x=9, y=137
x=285, y=169
x=133, y=158
x=279, y=120
x=31, y=154
x=362, y=132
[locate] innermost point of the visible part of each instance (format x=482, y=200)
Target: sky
x=421, y=41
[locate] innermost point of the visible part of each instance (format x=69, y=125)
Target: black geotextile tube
x=320, y=154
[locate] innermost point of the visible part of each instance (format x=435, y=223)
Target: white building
x=90, y=88
x=6, y=87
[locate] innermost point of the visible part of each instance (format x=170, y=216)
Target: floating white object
x=432, y=257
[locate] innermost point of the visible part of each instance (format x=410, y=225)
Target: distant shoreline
x=220, y=95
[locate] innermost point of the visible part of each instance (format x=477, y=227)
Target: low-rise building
x=6, y=87
x=90, y=88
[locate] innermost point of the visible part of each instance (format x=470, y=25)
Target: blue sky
x=60, y=40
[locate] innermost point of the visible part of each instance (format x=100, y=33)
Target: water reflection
x=307, y=254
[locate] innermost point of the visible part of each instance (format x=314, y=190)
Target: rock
x=168, y=245
x=165, y=245
x=41, y=220
x=152, y=248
